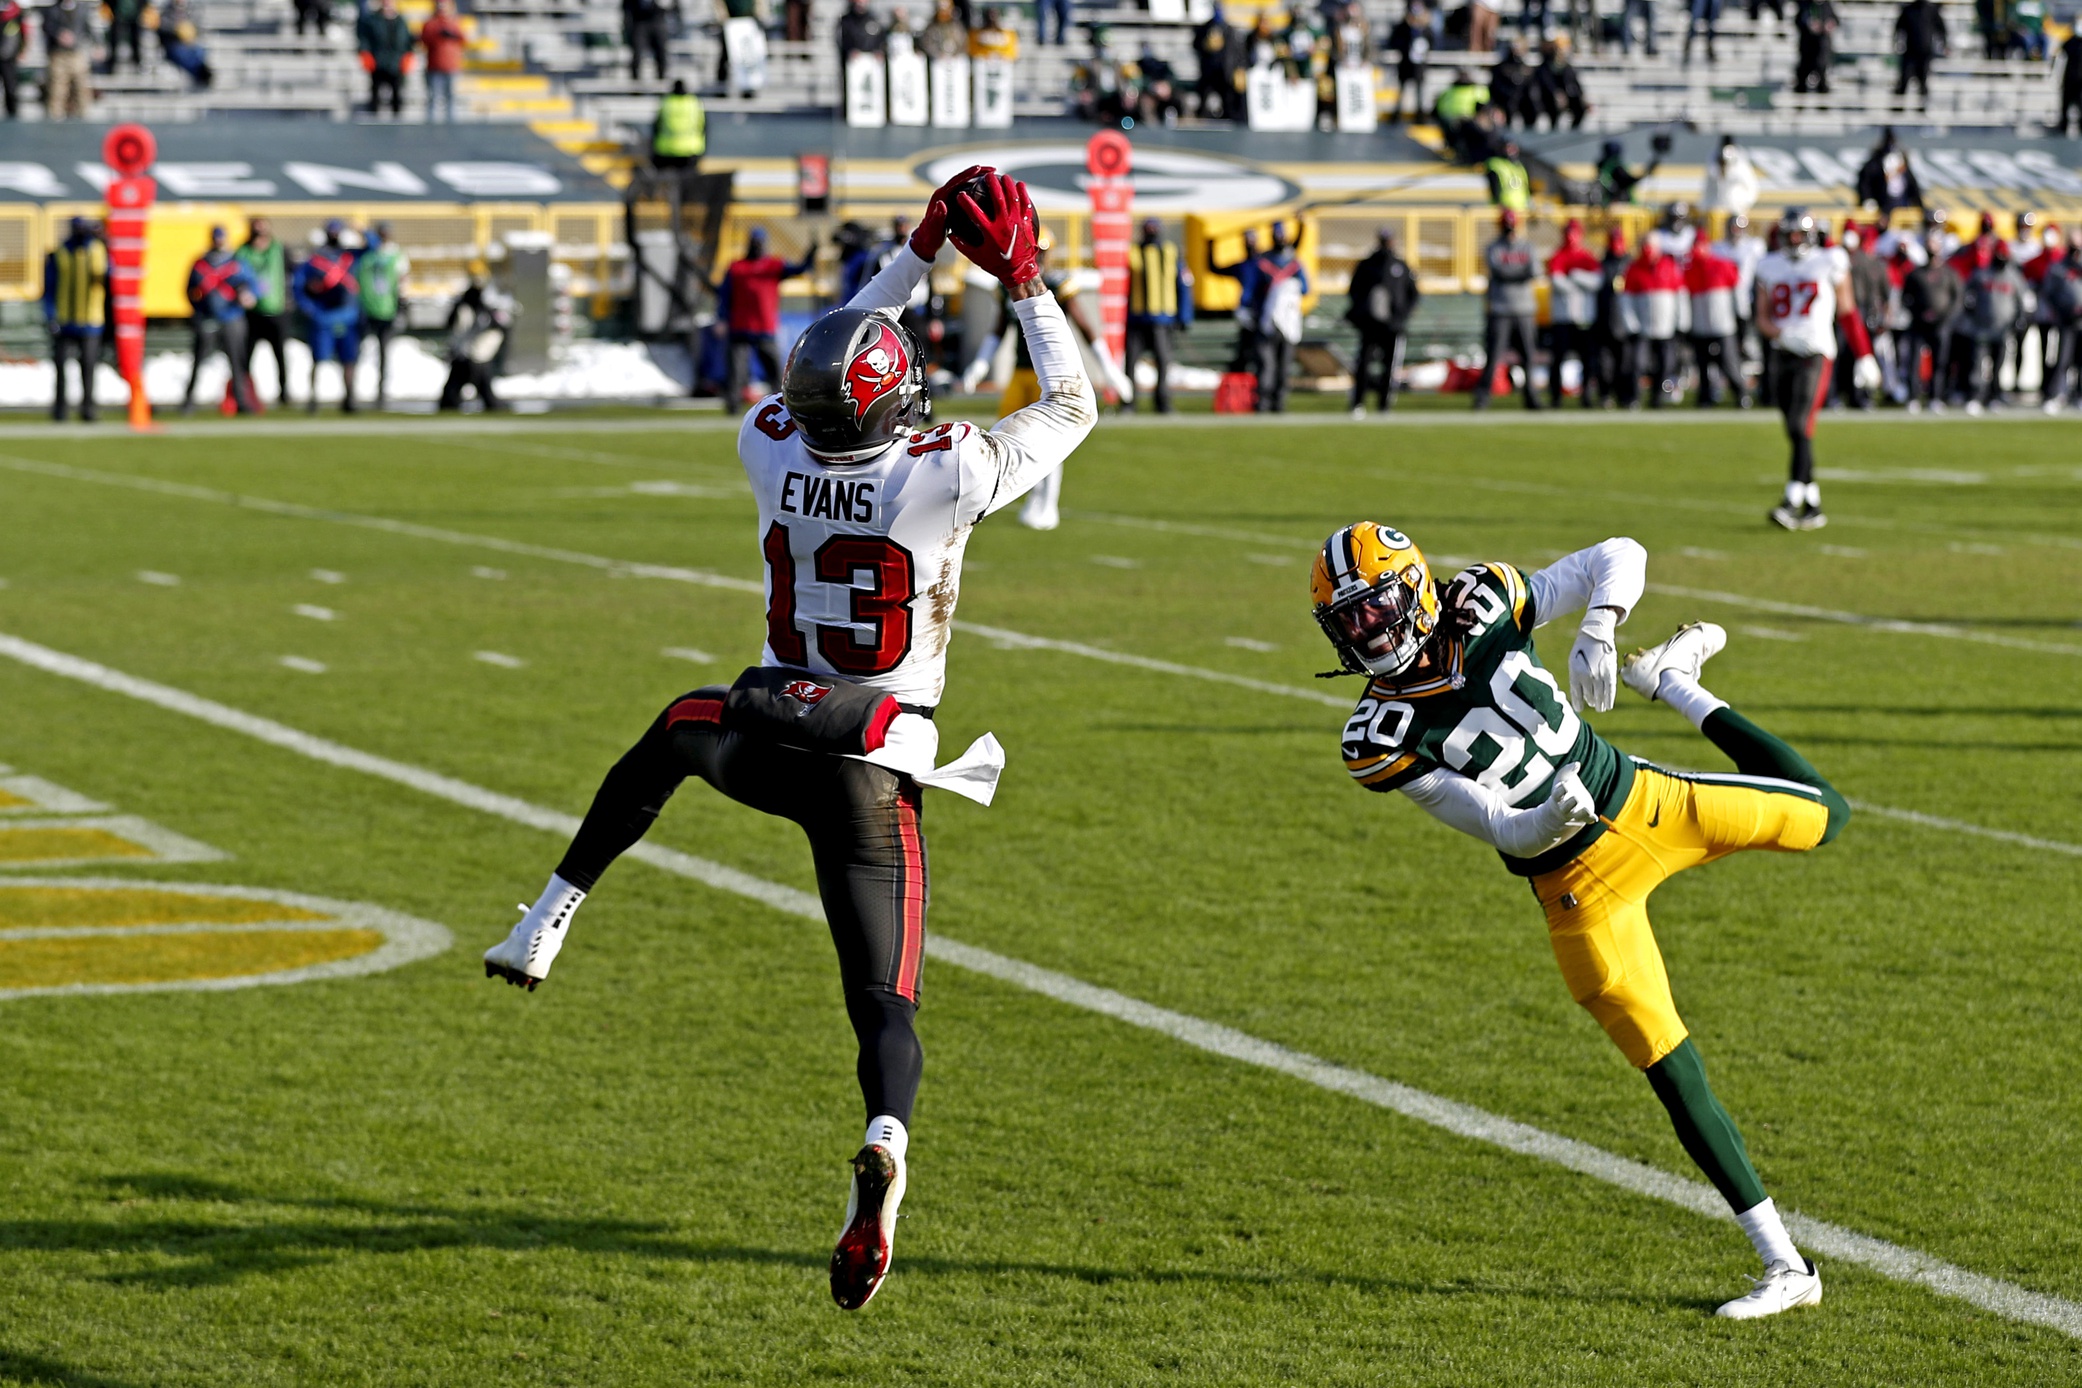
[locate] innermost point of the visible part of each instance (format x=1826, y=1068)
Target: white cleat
x=1685, y=653
x=1781, y=1288
x=868, y=1241
x=523, y=958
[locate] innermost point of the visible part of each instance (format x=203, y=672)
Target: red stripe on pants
x=1821, y=393
x=913, y=894
x=694, y=711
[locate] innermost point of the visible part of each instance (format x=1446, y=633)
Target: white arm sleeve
x=1611, y=574
x=892, y=288
x=1029, y=444
x=1478, y=811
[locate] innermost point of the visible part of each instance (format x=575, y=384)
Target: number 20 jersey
x=863, y=560
x=1489, y=711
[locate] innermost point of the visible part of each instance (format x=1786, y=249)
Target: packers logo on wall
x=94, y=935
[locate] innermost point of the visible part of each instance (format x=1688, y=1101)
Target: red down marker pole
x=128, y=151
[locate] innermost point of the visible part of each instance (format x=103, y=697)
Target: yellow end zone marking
x=19, y=794
x=115, y=935
x=49, y=842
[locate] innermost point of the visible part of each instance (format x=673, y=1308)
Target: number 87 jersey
x=863, y=560
x=1485, y=708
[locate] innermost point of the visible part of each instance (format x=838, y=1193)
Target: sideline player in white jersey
x=863, y=516
x=1803, y=300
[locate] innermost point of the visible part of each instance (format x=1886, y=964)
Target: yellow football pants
x=1597, y=903
x=1022, y=390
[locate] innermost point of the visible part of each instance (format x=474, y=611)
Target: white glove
x=1568, y=806
x=1594, y=663
x=1865, y=373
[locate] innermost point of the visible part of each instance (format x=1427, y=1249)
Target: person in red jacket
x=1573, y=276
x=1711, y=281
x=443, y=39
x=1973, y=255
x=752, y=288
x=1654, y=288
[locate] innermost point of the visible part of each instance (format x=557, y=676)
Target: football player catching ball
x=1459, y=716
x=1803, y=302
x=863, y=516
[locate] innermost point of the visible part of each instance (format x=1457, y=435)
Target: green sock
x=1709, y=1135
x=1757, y=753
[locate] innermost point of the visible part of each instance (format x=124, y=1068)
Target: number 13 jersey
x=1486, y=709
x=863, y=560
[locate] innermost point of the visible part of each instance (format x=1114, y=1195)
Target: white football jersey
x=1800, y=296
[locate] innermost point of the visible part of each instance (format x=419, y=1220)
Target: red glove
x=1009, y=248
x=368, y=62
x=931, y=232
x=1854, y=333
x=405, y=63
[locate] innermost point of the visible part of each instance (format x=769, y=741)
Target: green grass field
x=633, y=1176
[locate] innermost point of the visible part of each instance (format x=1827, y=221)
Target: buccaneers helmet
x=854, y=384
x=1374, y=598
x=1798, y=232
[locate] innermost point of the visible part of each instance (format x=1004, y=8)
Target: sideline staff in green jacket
x=268, y=264
x=680, y=136
x=380, y=269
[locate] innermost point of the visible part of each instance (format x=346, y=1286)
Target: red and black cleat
x=862, y=1257
x=510, y=974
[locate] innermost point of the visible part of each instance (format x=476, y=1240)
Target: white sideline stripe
x=1859, y=619
x=1890, y=1260
x=1960, y=826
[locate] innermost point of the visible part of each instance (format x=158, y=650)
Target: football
x=960, y=225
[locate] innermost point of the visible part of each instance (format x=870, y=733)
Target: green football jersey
x=1485, y=707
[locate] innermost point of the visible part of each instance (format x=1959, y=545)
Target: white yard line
x=1890, y=1260
x=1943, y=630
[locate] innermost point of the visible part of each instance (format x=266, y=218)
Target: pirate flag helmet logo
x=854, y=384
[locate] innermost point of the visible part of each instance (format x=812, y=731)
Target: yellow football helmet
x=1375, y=598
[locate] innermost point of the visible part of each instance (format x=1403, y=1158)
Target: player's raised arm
x=1603, y=582
x=1029, y=443
x=892, y=287
x=1478, y=811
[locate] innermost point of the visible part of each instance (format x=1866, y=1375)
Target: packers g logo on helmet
x=1374, y=598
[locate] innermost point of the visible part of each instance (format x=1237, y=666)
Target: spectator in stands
x=316, y=13
x=2061, y=291
x=1777, y=7
x=1511, y=86
x=755, y=314
x=1098, y=90
x=181, y=41
x=1245, y=273
x=268, y=265
x=1532, y=18
x=1995, y=299
x=385, y=43
x=1988, y=19
x=1455, y=113
x=1616, y=329
x=478, y=322
x=1931, y=296
x=1509, y=187
x=1616, y=182
x=1558, y=88
x=1731, y=180
x=126, y=26
x=647, y=25
x=1214, y=47
x=1160, y=303
x=1351, y=39
x=330, y=301
x=1384, y=293
x=219, y=292
x=2070, y=83
x=679, y=134
x=380, y=269
x=1655, y=297
x=1919, y=36
x=1058, y=8
x=1482, y=22
x=860, y=32
x=2027, y=36
x=14, y=37
x=1410, y=42
x=945, y=37
x=1817, y=22
x=1885, y=180
x=1629, y=10
x=1705, y=14
x=1157, y=89
x=75, y=307
x=68, y=33
x=1573, y=278
x=898, y=40
x=1711, y=282
x=1508, y=308
x=1282, y=284
x=443, y=39
x=996, y=39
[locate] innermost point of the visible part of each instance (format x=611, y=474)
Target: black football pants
x=1380, y=349
x=1799, y=388
x=863, y=826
